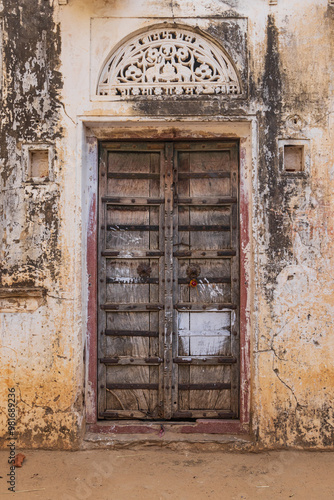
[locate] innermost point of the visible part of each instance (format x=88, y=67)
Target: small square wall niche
x=294, y=157
x=38, y=163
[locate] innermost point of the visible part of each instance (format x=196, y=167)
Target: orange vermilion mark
x=193, y=283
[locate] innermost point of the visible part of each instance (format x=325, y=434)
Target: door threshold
x=180, y=436
x=161, y=428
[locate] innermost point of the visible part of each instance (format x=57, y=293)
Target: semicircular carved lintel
x=167, y=62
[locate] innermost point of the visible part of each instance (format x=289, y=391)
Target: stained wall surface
x=52, y=57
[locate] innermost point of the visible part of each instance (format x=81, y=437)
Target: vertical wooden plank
x=174, y=367
x=181, y=164
x=235, y=283
x=162, y=209
x=154, y=291
x=245, y=316
x=168, y=320
x=103, y=167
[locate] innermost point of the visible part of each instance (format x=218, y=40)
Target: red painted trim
x=91, y=403
x=215, y=427
x=244, y=291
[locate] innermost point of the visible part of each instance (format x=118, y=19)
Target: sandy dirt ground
x=162, y=474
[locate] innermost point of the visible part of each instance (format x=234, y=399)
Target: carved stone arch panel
x=168, y=61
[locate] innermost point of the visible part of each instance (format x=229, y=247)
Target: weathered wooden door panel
x=169, y=281
x=130, y=282
x=204, y=334
x=206, y=274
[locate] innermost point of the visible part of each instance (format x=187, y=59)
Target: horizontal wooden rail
x=131, y=333
x=213, y=360
x=131, y=307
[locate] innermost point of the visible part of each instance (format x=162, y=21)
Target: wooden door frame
x=92, y=131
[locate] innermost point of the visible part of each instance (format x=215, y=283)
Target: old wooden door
x=168, y=280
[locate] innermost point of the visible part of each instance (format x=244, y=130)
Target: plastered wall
x=52, y=55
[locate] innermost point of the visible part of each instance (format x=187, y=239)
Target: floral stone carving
x=170, y=61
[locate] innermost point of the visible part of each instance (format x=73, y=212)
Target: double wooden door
x=168, y=275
